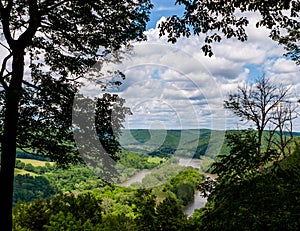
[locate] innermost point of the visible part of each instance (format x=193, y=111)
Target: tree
x=63, y=212
x=224, y=19
x=250, y=187
x=57, y=41
x=290, y=40
x=185, y=193
x=170, y=216
x=27, y=188
x=95, y=120
x=145, y=208
x=167, y=215
x=265, y=105
x=243, y=159
x=255, y=202
x=29, y=167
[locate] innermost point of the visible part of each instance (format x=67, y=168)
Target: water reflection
x=198, y=201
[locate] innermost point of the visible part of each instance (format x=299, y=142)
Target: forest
x=77, y=199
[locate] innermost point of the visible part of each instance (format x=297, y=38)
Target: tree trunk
x=8, y=146
x=259, y=151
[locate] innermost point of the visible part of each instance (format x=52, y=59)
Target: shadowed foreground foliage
x=84, y=212
x=256, y=201
x=259, y=201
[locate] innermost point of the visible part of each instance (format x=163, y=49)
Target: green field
x=190, y=143
x=28, y=165
x=35, y=163
x=24, y=172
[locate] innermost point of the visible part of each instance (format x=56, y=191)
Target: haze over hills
x=184, y=143
x=190, y=143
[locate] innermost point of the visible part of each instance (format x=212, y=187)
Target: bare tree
x=282, y=124
x=265, y=104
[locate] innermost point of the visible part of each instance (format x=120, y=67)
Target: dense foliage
x=56, y=42
x=243, y=198
x=28, y=188
x=87, y=212
x=267, y=201
x=216, y=20
x=119, y=208
x=63, y=212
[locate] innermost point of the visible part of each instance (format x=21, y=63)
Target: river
x=198, y=201
x=136, y=178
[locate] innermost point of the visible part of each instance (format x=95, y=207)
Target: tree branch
x=3, y=69
x=6, y=47
x=24, y=149
x=4, y=65
x=47, y=8
x=34, y=22
x=5, y=19
x=3, y=83
x=30, y=84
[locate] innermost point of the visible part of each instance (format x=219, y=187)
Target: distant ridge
x=190, y=143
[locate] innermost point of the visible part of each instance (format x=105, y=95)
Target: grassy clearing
x=24, y=172
x=35, y=163
x=156, y=160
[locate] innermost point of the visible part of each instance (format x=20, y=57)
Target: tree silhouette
x=220, y=19
x=54, y=43
x=265, y=105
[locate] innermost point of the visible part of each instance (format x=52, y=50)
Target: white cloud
x=282, y=65
x=176, y=86
x=165, y=8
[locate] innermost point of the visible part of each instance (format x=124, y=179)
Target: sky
x=174, y=86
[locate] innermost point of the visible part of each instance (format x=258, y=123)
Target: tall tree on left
x=46, y=46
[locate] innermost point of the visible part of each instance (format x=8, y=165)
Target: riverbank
x=198, y=201
x=136, y=178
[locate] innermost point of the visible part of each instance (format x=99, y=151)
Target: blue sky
x=174, y=86
x=164, y=8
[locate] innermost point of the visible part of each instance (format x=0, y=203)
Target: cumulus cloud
x=283, y=66
x=175, y=86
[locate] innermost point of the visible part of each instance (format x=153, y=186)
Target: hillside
x=184, y=143
x=192, y=143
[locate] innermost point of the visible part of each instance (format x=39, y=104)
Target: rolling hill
x=185, y=143
x=191, y=143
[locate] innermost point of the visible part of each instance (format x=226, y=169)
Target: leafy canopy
x=60, y=41
x=220, y=19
